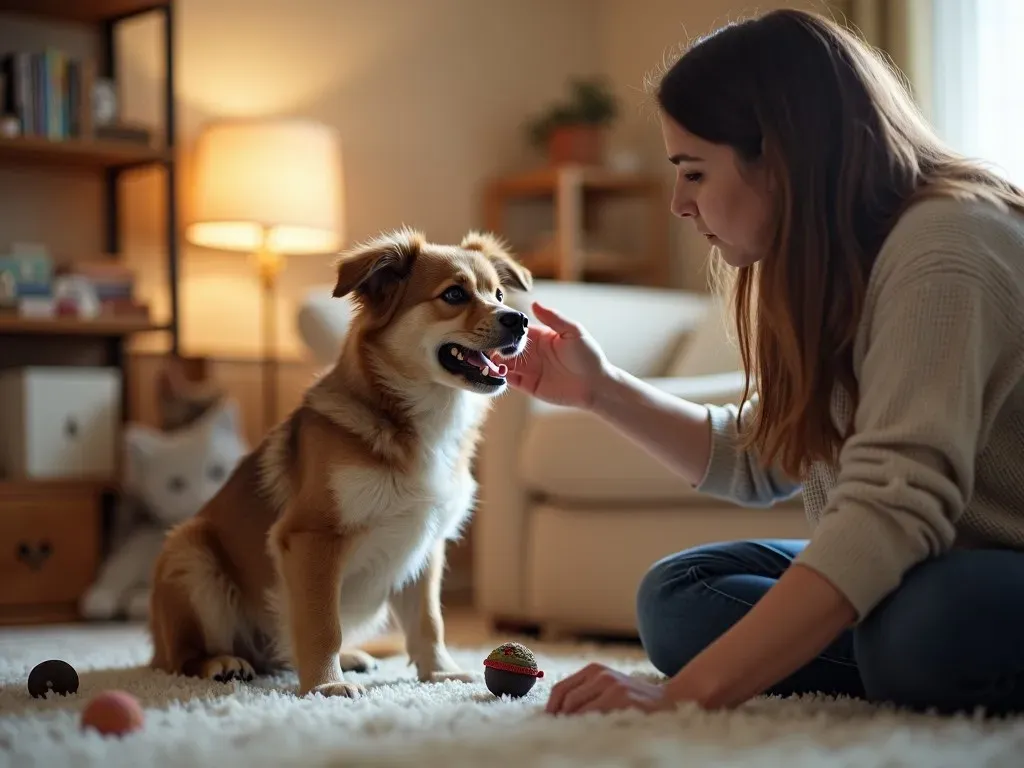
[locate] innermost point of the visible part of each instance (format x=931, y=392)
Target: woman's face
x=727, y=199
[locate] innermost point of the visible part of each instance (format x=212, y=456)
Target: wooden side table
x=570, y=187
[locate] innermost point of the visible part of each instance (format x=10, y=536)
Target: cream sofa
x=571, y=513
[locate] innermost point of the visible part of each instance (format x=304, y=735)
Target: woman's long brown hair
x=849, y=152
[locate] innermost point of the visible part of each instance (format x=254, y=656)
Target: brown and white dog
x=341, y=514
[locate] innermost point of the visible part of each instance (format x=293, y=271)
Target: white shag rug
x=403, y=723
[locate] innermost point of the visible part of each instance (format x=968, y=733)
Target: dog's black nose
x=517, y=321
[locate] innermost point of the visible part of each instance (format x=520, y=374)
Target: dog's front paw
x=355, y=660
x=223, y=669
x=342, y=689
x=99, y=604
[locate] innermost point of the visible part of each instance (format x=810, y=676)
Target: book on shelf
x=50, y=93
x=31, y=285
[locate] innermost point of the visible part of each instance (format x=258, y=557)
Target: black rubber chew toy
x=511, y=670
x=53, y=676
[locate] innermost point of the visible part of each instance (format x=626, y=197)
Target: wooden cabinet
x=49, y=548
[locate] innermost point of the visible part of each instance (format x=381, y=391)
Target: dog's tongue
x=484, y=362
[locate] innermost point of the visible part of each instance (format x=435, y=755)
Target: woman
x=879, y=290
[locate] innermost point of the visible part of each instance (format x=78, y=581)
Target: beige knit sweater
x=936, y=458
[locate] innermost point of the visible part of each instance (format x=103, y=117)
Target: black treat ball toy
x=53, y=676
x=511, y=670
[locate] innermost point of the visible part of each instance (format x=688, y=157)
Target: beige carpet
x=402, y=723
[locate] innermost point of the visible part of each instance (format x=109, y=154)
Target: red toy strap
x=538, y=673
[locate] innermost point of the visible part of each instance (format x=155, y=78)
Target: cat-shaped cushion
x=169, y=476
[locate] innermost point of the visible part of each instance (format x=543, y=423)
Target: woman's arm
x=674, y=430
x=697, y=441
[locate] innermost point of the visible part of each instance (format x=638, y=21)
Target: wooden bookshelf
x=88, y=11
x=544, y=182
x=34, y=150
x=53, y=531
x=73, y=326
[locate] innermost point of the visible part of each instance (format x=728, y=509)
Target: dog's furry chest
x=402, y=514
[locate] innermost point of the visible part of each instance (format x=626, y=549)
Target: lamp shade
x=282, y=177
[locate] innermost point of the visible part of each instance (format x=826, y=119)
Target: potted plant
x=573, y=131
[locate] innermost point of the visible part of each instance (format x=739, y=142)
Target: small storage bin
x=59, y=422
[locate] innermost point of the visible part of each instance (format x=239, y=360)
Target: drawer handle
x=34, y=557
x=71, y=427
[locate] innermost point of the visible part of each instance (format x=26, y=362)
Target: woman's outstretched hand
x=597, y=688
x=562, y=364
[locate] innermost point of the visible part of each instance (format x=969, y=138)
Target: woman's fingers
x=610, y=699
x=553, y=319
x=583, y=696
x=562, y=689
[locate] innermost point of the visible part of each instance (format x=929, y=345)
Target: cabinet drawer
x=49, y=542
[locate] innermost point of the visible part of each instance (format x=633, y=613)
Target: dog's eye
x=176, y=484
x=455, y=295
x=499, y=295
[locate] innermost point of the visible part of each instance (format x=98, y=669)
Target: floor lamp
x=270, y=188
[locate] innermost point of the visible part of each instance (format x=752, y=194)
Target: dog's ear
x=373, y=271
x=511, y=273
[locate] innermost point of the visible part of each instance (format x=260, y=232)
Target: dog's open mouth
x=472, y=365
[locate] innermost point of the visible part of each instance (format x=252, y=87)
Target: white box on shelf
x=59, y=422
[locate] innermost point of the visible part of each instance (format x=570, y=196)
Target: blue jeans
x=950, y=638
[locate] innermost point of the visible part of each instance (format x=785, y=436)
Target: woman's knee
x=659, y=601
x=667, y=581
x=673, y=576
x=677, y=614
x=656, y=588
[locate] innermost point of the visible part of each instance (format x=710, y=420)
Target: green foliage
x=590, y=102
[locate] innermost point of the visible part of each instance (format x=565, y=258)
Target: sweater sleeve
x=736, y=474
x=931, y=378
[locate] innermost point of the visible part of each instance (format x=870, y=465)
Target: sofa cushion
x=574, y=455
